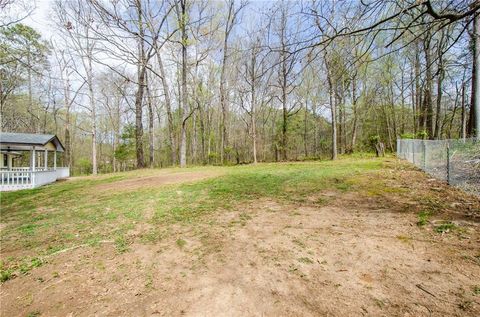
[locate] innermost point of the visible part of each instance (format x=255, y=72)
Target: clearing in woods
x=359, y=236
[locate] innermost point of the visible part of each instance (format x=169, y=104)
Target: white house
x=41, y=152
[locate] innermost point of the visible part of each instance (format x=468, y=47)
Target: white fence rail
x=21, y=178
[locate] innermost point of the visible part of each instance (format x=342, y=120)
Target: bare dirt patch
x=341, y=253
x=155, y=181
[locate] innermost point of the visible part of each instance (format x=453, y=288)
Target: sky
x=40, y=18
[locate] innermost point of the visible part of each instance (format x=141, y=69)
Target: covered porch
x=29, y=160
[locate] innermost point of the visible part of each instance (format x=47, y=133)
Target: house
x=39, y=150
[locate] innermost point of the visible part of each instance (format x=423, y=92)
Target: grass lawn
x=356, y=236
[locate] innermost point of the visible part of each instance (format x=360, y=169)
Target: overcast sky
x=40, y=18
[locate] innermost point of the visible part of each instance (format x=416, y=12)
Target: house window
x=5, y=160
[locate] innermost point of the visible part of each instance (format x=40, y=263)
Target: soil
x=350, y=255
x=153, y=181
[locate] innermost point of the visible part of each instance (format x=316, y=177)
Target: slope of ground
x=357, y=237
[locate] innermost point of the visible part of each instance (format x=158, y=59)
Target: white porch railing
x=25, y=178
x=14, y=180
x=19, y=169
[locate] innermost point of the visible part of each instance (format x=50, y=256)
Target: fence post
x=413, y=152
x=424, y=163
x=448, y=163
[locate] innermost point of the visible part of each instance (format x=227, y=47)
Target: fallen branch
x=425, y=290
x=76, y=247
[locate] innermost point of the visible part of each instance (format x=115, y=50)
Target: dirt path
x=346, y=256
x=154, y=181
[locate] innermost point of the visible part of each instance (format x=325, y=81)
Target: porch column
x=54, y=160
x=9, y=162
x=33, y=155
x=46, y=159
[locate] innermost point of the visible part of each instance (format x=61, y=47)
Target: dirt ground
x=339, y=253
x=157, y=180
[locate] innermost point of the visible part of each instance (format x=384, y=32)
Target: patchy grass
x=476, y=290
x=181, y=243
x=5, y=273
x=445, y=227
x=66, y=214
x=305, y=260
x=121, y=244
x=43, y=221
x=423, y=217
x=315, y=228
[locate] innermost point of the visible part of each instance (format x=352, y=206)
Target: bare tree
x=66, y=65
x=287, y=70
x=254, y=72
x=232, y=18
x=182, y=17
x=76, y=19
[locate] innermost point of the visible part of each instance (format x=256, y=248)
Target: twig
x=425, y=290
x=76, y=247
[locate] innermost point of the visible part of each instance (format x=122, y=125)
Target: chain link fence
x=454, y=161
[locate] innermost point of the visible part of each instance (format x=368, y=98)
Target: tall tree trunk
x=305, y=130
x=33, y=121
x=168, y=107
x=114, y=148
x=394, y=112
x=283, y=85
x=284, y=141
x=140, y=90
x=438, y=129
x=402, y=97
x=93, y=112
x=343, y=118
x=253, y=108
x=284, y=121
x=66, y=95
x=464, y=113
x=355, y=114
x=414, y=99
x=315, y=130
x=333, y=113
x=194, y=138
x=418, y=91
x=428, y=89
x=139, y=118
x=388, y=128
x=441, y=74
x=473, y=128
x=150, y=124
x=340, y=124
x=203, y=134
x=184, y=99
x=223, y=100
x=454, y=112
x=223, y=104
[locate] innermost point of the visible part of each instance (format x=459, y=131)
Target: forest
x=130, y=84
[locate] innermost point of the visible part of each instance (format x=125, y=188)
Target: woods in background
x=135, y=83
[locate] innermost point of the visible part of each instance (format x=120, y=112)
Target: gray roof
x=30, y=139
